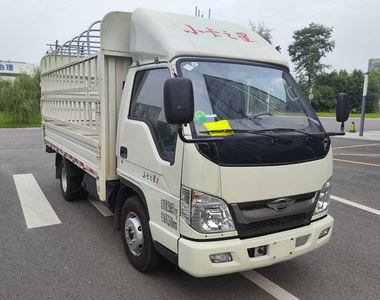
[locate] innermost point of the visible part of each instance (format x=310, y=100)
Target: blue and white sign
x=6, y=67
x=11, y=69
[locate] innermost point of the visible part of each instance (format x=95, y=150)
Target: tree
x=22, y=98
x=263, y=30
x=355, y=90
x=328, y=85
x=4, y=85
x=373, y=94
x=310, y=45
x=324, y=98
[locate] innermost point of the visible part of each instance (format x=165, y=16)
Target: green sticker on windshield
x=200, y=116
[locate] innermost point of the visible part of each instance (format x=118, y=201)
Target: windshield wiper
x=310, y=135
x=258, y=132
x=264, y=113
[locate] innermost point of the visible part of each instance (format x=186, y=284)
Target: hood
x=245, y=184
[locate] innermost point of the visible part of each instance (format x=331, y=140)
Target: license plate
x=282, y=248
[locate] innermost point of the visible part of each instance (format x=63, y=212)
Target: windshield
x=246, y=98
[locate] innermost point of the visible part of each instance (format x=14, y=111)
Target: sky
x=26, y=26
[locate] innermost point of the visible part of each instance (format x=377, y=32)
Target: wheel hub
x=134, y=234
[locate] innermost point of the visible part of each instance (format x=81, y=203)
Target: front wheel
x=136, y=236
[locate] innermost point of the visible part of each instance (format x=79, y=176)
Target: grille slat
x=273, y=225
x=275, y=222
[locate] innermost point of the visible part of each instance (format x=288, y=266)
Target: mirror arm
x=335, y=133
x=194, y=141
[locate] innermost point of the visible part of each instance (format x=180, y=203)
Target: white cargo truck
x=194, y=133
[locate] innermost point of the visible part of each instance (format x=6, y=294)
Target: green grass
x=352, y=115
x=7, y=122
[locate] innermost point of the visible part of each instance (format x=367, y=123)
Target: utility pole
x=364, y=98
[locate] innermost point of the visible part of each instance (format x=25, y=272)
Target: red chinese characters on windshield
x=218, y=34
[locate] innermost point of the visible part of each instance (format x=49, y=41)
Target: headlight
x=323, y=198
x=205, y=213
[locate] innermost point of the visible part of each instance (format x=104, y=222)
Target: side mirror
x=178, y=101
x=342, y=107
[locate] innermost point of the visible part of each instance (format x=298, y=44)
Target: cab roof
x=147, y=35
x=167, y=36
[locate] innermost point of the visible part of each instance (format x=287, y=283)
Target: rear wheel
x=71, y=186
x=136, y=236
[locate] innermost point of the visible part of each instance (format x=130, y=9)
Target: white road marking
x=101, y=207
x=355, y=146
x=36, y=208
x=354, y=119
x=268, y=286
x=357, y=205
x=356, y=154
x=356, y=162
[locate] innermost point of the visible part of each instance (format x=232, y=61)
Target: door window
x=148, y=106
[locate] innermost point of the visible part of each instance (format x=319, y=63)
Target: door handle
x=123, y=152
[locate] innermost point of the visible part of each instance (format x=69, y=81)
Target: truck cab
x=218, y=161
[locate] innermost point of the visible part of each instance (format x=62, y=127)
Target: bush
x=328, y=85
x=22, y=97
x=373, y=94
x=4, y=85
x=323, y=95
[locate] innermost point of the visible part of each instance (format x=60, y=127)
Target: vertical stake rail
x=94, y=72
x=89, y=74
x=100, y=67
x=77, y=108
x=84, y=74
x=72, y=75
x=71, y=111
x=70, y=94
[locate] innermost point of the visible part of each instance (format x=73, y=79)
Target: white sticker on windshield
x=188, y=67
x=194, y=64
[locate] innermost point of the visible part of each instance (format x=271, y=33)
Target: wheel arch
x=58, y=161
x=72, y=169
x=127, y=189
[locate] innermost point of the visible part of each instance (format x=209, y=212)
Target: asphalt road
x=83, y=257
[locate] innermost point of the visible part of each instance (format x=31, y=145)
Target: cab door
x=150, y=154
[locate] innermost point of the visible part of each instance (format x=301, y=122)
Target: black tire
x=145, y=258
x=71, y=186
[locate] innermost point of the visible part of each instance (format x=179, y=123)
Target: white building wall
x=11, y=69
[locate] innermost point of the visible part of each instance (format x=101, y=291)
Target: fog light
x=324, y=232
x=221, y=257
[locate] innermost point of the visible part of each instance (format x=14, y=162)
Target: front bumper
x=193, y=256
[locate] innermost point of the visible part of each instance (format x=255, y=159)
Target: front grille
x=275, y=222
x=273, y=225
x=256, y=218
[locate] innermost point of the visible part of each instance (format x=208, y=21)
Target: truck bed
x=81, y=88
